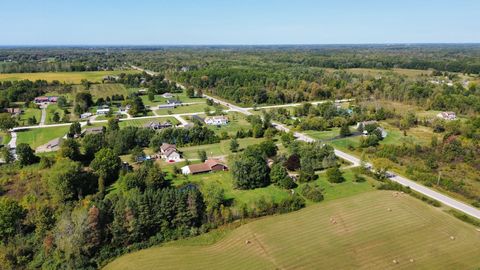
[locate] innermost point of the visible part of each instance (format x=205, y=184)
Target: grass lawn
x=29, y=112
x=217, y=149
x=141, y=122
x=194, y=108
x=236, y=122
x=239, y=197
x=51, y=109
x=68, y=77
x=364, y=236
x=180, y=96
x=324, y=135
x=38, y=136
x=4, y=137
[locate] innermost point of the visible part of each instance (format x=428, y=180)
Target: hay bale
x=389, y=210
x=411, y=260
x=247, y=242
x=452, y=237
x=395, y=262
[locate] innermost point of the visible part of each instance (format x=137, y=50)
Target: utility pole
x=439, y=175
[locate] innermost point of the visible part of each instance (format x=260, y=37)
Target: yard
x=38, y=136
x=29, y=112
x=178, y=96
x=142, y=121
x=217, y=149
x=194, y=108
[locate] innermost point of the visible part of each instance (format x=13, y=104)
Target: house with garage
x=216, y=120
x=157, y=125
x=169, y=152
x=210, y=165
x=447, y=115
x=173, y=101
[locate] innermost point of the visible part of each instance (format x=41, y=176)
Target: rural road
x=446, y=200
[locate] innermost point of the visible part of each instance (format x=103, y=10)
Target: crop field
x=143, y=121
x=374, y=230
x=38, y=136
x=68, y=77
x=104, y=90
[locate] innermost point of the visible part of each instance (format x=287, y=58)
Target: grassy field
x=4, y=137
x=38, y=136
x=217, y=149
x=365, y=235
x=236, y=122
x=107, y=90
x=68, y=77
x=194, y=108
x=180, y=96
x=324, y=135
x=141, y=122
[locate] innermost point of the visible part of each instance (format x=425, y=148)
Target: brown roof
x=169, y=151
x=165, y=146
x=212, y=162
x=199, y=168
x=94, y=130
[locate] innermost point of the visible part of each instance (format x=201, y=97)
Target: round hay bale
x=411, y=260
x=389, y=210
x=247, y=242
x=452, y=237
x=395, y=261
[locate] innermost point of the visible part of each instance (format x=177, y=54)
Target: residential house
x=103, y=110
x=157, y=125
x=174, y=102
x=142, y=91
x=42, y=99
x=169, y=152
x=366, y=123
x=85, y=115
x=216, y=120
x=166, y=106
x=167, y=95
x=447, y=115
x=93, y=130
x=210, y=165
x=14, y=111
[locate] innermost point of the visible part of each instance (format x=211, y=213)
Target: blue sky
x=149, y=22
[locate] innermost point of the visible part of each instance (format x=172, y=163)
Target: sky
x=245, y=22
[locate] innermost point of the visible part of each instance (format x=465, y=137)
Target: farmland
x=67, y=77
x=413, y=235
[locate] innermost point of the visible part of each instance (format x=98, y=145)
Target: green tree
x=56, y=117
x=66, y=180
x=250, y=171
x=32, y=120
x=202, y=155
x=11, y=217
x=6, y=155
x=69, y=148
x=345, y=131
x=234, y=145
x=106, y=166
x=7, y=121
x=277, y=173
x=25, y=154
x=151, y=96
x=113, y=124
x=75, y=129
x=334, y=175
x=190, y=92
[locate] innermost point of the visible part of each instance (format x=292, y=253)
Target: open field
x=38, y=136
x=365, y=235
x=141, y=122
x=179, y=96
x=51, y=109
x=107, y=90
x=194, y=108
x=68, y=77
x=217, y=149
x=401, y=71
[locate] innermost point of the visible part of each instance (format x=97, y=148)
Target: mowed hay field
x=68, y=77
x=357, y=232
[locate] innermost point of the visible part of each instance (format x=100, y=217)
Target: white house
x=167, y=95
x=169, y=152
x=103, y=111
x=86, y=115
x=216, y=120
x=447, y=115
